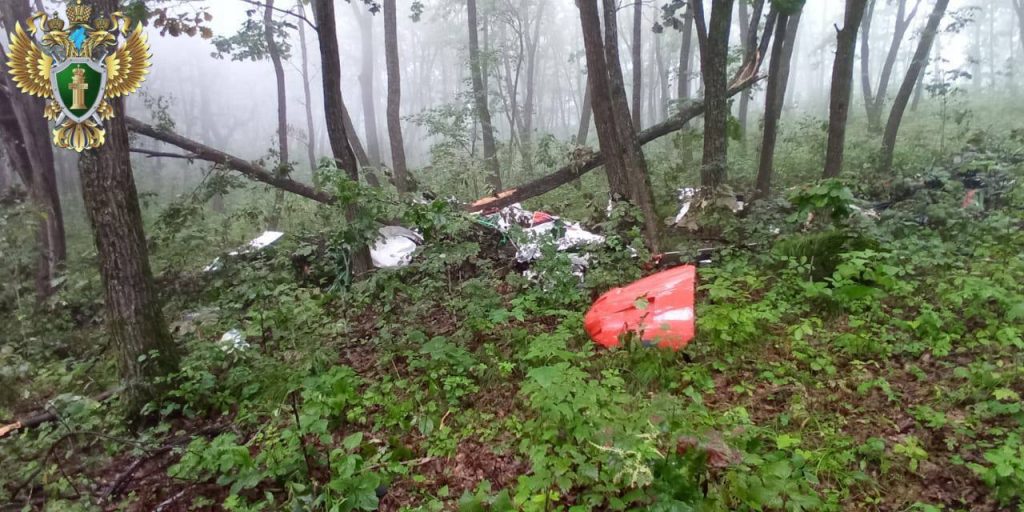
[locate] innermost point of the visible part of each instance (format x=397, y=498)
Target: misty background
x=230, y=104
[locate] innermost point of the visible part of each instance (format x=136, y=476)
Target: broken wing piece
x=660, y=308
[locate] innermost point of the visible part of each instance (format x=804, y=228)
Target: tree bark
x=323, y=11
x=842, y=86
x=601, y=104
x=899, y=105
x=307, y=93
x=284, y=162
x=778, y=81
x=367, y=86
x=145, y=350
x=483, y=113
x=585, y=112
x=714, y=64
x=636, y=177
x=637, y=60
x=683, y=93
x=39, y=176
x=394, y=112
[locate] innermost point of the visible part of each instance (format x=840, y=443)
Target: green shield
x=78, y=87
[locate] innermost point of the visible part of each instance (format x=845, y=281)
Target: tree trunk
x=526, y=137
x=842, y=86
x=367, y=86
x=145, y=349
x=601, y=105
x=865, y=58
x=663, y=94
x=31, y=130
x=778, y=81
x=748, y=33
x=683, y=86
x=307, y=93
x=899, y=105
x=483, y=113
x=637, y=60
x=394, y=113
x=284, y=162
x=714, y=65
x=636, y=178
x=585, y=112
x=876, y=103
x=323, y=11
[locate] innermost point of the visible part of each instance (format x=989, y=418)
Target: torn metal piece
x=395, y=247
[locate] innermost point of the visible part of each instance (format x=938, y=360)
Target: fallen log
x=576, y=169
x=39, y=418
x=201, y=151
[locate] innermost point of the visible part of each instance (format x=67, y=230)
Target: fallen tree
x=200, y=151
x=578, y=168
x=566, y=174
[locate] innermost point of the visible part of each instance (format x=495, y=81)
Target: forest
x=496, y=255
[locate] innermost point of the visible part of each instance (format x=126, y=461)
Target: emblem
x=77, y=68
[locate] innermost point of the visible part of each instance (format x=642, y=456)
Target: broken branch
x=576, y=169
x=204, y=152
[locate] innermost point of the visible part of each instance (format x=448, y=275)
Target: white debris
x=724, y=198
x=233, y=341
x=395, y=247
x=263, y=241
x=686, y=196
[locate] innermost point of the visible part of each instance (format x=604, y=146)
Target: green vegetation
x=842, y=361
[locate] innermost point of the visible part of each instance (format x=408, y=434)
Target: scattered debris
x=659, y=308
x=395, y=247
x=691, y=197
x=233, y=341
x=539, y=228
x=263, y=241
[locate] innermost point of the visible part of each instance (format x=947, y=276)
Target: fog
x=231, y=104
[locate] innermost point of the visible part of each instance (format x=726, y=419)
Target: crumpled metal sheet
x=395, y=247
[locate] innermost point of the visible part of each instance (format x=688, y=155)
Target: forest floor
x=848, y=362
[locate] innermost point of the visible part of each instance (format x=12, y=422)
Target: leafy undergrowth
x=842, y=362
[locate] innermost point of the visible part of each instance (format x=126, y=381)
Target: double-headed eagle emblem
x=77, y=68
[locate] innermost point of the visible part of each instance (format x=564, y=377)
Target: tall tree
x=787, y=24
x=483, y=113
x=367, y=84
x=334, y=109
x=683, y=86
x=28, y=129
x=626, y=167
x=307, y=92
x=748, y=33
x=394, y=112
x=874, y=102
x=284, y=160
x=135, y=322
x=526, y=137
x=899, y=105
x=842, y=86
x=713, y=37
x=637, y=60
